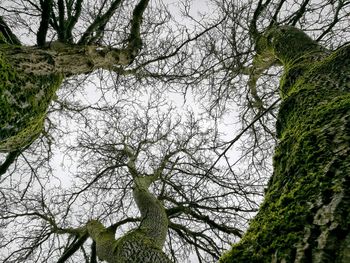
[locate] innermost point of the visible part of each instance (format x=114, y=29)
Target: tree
x=231, y=58
x=304, y=217
x=143, y=244
x=305, y=213
x=32, y=75
x=133, y=142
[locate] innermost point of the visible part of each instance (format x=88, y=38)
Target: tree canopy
x=176, y=100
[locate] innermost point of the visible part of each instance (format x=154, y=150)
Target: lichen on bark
x=24, y=99
x=143, y=244
x=305, y=216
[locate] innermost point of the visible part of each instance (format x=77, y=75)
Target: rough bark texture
x=305, y=216
x=66, y=59
x=143, y=244
x=24, y=99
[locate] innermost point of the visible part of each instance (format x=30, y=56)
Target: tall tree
x=30, y=75
x=145, y=243
x=305, y=214
x=138, y=146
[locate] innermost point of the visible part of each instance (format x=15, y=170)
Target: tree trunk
x=24, y=99
x=143, y=244
x=30, y=77
x=305, y=216
x=67, y=59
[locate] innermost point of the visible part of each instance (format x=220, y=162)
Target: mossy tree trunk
x=145, y=243
x=31, y=75
x=305, y=216
x=24, y=99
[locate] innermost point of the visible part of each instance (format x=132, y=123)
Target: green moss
x=24, y=99
x=2, y=39
x=291, y=47
x=286, y=43
x=134, y=246
x=311, y=164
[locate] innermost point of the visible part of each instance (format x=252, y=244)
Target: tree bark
x=143, y=244
x=24, y=99
x=305, y=216
x=66, y=59
x=30, y=77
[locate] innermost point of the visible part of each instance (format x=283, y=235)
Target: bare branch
x=46, y=6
